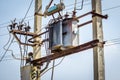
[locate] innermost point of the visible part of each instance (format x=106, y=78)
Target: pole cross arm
x=60, y=54
x=15, y=32
x=99, y=15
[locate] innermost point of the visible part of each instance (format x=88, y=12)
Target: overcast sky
x=74, y=67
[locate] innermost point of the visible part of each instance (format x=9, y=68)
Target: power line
x=4, y=34
x=3, y=26
x=77, y=6
x=27, y=11
x=6, y=50
x=76, y=3
x=60, y=61
x=24, y=16
x=110, y=44
x=6, y=45
x=111, y=8
x=4, y=23
x=52, y=67
x=33, y=15
x=113, y=39
x=8, y=60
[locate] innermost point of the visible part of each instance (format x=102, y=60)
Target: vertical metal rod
x=75, y=5
x=52, y=75
x=98, y=52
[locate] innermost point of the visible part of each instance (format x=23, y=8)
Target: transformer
x=63, y=34
x=70, y=33
x=55, y=35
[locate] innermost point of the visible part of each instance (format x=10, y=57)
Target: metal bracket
x=15, y=32
x=99, y=15
x=74, y=50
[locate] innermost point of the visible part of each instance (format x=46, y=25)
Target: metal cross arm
x=90, y=21
x=56, y=55
x=22, y=33
x=99, y=15
x=15, y=32
x=31, y=39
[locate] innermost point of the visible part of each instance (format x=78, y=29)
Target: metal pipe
x=36, y=36
x=84, y=14
x=85, y=23
x=56, y=55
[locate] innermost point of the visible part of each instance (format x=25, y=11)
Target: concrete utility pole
x=37, y=28
x=99, y=72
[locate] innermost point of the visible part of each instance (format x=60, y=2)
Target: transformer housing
x=55, y=35
x=70, y=33
x=63, y=34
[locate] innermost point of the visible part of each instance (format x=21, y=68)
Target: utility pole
x=37, y=28
x=98, y=52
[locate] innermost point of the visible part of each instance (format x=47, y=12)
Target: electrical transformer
x=63, y=34
x=55, y=35
x=70, y=33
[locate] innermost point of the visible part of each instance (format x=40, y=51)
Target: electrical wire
x=20, y=47
x=111, y=8
x=3, y=26
x=117, y=42
x=4, y=23
x=24, y=16
x=4, y=34
x=108, y=43
x=116, y=39
x=47, y=64
x=76, y=3
x=52, y=67
x=7, y=60
x=47, y=53
x=52, y=74
x=29, y=18
x=81, y=5
x=112, y=42
x=14, y=57
x=33, y=15
x=27, y=11
x=25, y=50
x=6, y=45
x=6, y=50
x=77, y=6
